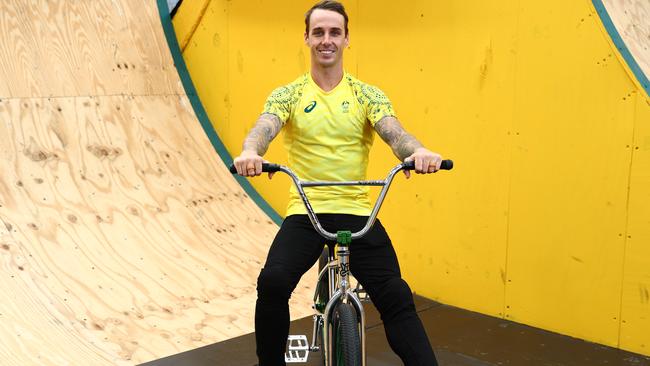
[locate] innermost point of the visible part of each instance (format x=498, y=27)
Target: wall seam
x=186, y=40
x=627, y=221
x=512, y=142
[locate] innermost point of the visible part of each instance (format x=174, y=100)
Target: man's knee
x=394, y=299
x=274, y=283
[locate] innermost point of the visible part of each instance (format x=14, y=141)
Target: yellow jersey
x=328, y=136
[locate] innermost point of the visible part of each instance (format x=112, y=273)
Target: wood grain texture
x=70, y=48
x=632, y=20
x=123, y=238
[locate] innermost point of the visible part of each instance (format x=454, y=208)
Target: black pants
x=373, y=262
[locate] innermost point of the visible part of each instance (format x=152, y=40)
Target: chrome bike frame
x=338, y=269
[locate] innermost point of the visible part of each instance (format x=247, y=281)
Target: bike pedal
x=361, y=293
x=298, y=349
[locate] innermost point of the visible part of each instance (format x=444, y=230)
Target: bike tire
x=347, y=340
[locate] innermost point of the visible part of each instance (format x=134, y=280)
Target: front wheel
x=346, y=340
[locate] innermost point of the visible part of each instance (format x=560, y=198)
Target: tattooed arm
x=402, y=143
x=249, y=162
x=406, y=147
x=259, y=138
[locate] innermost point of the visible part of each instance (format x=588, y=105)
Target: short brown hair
x=331, y=5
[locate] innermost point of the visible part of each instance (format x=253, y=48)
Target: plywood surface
x=64, y=48
x=632, y=20
x=123, y=238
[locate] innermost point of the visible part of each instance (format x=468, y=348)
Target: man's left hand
x=425, y=162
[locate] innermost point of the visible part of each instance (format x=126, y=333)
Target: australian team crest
x=345, y=106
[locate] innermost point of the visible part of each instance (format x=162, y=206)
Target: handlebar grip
x=266, y=168
x=446, y=165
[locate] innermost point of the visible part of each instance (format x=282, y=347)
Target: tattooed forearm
x=259, y=138
x=401, y=142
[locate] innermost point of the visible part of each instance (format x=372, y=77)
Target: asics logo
x=310, y=107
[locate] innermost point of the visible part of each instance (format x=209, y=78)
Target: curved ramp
x=628, y=24
x=123, y=238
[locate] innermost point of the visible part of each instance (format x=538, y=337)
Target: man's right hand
x=249, y=164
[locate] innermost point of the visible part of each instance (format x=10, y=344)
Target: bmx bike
x=339, y=322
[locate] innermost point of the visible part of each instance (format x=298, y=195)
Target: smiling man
x=329, y=118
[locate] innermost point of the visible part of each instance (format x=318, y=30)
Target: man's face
x=326, y=37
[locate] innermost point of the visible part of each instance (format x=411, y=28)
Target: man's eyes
x=319, y=33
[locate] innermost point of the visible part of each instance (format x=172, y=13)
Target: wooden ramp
x=631, y=20
x=123, y=238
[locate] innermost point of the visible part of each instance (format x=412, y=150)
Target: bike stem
x=344, y=238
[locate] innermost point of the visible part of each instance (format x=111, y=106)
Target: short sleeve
x=279, y=103
x=375, y=102
x=283, y=100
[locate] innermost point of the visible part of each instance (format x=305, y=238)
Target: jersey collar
x=318, y=88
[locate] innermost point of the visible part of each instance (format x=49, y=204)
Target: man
x=329, y=118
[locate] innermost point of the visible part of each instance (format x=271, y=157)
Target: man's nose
x=327, y=39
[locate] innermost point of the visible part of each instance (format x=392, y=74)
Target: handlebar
x=410, y=165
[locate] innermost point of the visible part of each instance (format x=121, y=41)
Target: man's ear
x=347, y=40
x=306, y=38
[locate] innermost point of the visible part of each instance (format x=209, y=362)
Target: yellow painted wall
x=544, y=219
x=571, y=160
x=635, y=300
x=187, y=18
